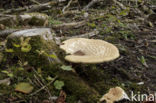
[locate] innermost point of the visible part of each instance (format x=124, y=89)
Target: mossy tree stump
x=40, y=51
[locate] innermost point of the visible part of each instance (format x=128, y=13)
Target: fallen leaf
x=24, y=87
x=2, y=27
x=62, y=97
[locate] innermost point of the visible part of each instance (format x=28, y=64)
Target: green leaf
x=142, y=59
x=124, y=12
x=52, y=56
x=27, y=40
x=24, y=87
x=92, y=25
x=20, y=68
x=9, y=50
x=58, y=84
x=139, y=1
x=50, y=78
x=8, y=73
x=26, y=48
x=67, y=68
x=16, y=45
x=150, y=24
x=54, y=22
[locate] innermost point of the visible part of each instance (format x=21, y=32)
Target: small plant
x=125, y=12
x=9, y=74
x=54, y=22
x=127, y=34
x=20, y=49
x=92, y=25
x=67, y=68
x=143, y=61
x=24, y=46
x=58, y=84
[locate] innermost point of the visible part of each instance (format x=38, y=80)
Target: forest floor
x=132, y=32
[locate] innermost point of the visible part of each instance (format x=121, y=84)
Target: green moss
x=35, y=21
x=6, y=90
x=111, y=39
x=1, y=56
x=95, y=80
x=92, y=25
x=75, y=87
x=125, y=34
x=54, y=22
x=33, y=57
x=101, y=79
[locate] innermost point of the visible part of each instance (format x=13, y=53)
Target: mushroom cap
x=115, y=94
x=84, y=50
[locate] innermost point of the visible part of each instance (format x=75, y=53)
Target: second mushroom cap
x=82, y=50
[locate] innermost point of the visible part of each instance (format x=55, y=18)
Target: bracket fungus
x=82, y=50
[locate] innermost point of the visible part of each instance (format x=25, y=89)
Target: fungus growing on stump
x=83, y=50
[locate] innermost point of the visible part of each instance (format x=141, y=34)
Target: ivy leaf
x=58, y=84
x=67, y=68
x=24, y=87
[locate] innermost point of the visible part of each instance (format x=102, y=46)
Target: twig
x=67, y=6
x=46, y=88
x=70, y=12
x=124, y=7
x=90, y=4
x=86, y=35
x=31, y=8
x=69, y=25
x=43, y=87
x=120, y=4
x=34, y=1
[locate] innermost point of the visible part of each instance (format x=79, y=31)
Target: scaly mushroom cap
x=83, y=50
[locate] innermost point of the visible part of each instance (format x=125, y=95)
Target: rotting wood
x=70, y=25
x=5, y=33
x=90, y=4
x=31, y=8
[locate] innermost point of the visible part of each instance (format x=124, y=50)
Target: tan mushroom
x=83, y=50
x=114, y=95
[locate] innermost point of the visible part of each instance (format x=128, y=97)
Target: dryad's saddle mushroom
x=83, y=50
